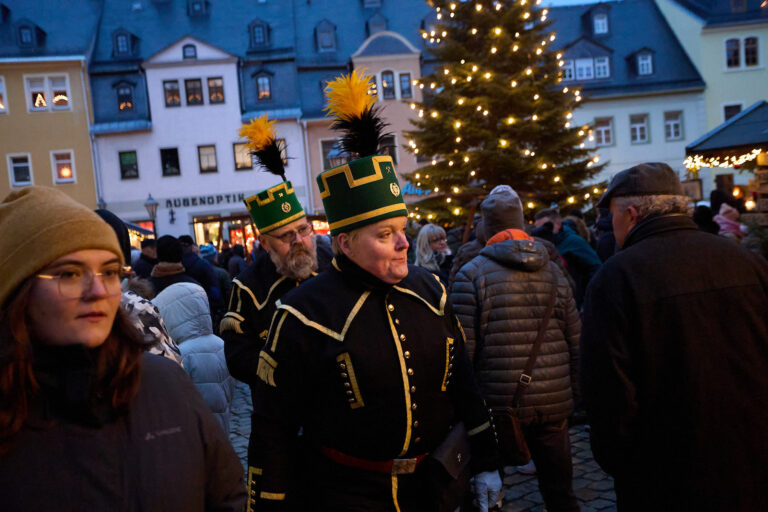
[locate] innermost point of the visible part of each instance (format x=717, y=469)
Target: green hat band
x=274, y=207
x=361, y=192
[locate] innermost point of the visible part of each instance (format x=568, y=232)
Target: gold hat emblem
x=286, y=207
x=394, y=189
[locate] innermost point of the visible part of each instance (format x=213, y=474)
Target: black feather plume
x=271, y=158
x=363, y=135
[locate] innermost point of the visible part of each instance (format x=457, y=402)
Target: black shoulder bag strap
x=525, y=377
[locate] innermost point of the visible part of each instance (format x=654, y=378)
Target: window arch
x=189, y=51
x=325, y=36
x=263, y=82
x=259, y=34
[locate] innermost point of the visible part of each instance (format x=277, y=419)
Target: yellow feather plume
x=260, y=133
x=348, y=95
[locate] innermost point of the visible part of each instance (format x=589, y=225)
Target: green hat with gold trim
x=277, y=205
x=365, y=190
x=361, y=192
x=274, y=207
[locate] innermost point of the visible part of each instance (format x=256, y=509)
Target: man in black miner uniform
x=290, y=258
x=368, y=360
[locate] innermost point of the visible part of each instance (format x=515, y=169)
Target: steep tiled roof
x=721, y=12
x=48, y=17
x=633, y=25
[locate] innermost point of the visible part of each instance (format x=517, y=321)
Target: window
x=731, y=110
x=732, y=53
x=20, y=168
x=603, y=131
x=602, y=68
x=121, y=44
x=125, y=98
x=264, y=87
x=129, y=165
x=750, y=51
x=373, y=91
x=197, y=7
x=3, y=107
x=169, y=161
x=371, y=3
x=189, y=51
x=243, y=158
x=283, y=150
x=26, y=37
x=332, y=154
x=600, y=23
x=63, y=166
x=638, y=128
x=172, y=95
x=388, y=146
x=216, y=90
x=326, y=36
x=388, y=85
x=644, y=64
x=207, y=157
x=376, y=23
x=584, y=69
x=194, y=90
x=259, y=31
x=405, y=85
x=568, y=70
x=673, y=125
x=40, y=90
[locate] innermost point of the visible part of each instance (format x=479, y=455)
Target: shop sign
x=212, y=200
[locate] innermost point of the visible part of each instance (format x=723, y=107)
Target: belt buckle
x=404, y=466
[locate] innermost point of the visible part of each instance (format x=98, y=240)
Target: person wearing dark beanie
x=81, y=399
x=169, y=269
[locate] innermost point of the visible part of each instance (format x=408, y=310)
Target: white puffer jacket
x=185, y=311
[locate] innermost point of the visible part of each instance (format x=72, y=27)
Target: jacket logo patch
x=152, y=435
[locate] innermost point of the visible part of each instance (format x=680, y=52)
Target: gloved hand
x=485, y=488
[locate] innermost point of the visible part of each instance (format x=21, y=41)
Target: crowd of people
x=378, y=384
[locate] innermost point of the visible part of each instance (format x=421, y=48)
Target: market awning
x=734, y=143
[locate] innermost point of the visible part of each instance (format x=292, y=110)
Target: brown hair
x=118, y=365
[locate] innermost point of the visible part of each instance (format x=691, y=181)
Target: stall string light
x=695, y=162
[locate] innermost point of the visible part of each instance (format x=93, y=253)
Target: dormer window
x=602, y=67
x=325, y=33
x=189, y=51
x=26, y=37
x=376, y=23
x=371, y=3
x=600, y=23
x=644, y=64
x=259, y=33
x=197, y=7
x=123, y=43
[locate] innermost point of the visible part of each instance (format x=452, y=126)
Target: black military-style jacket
x=251, y=306
x=372, y=370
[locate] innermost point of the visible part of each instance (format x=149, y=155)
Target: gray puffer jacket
x=500, y=297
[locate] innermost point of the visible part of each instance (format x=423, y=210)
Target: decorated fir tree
x=495, y=111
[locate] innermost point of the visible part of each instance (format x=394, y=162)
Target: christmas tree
x=494, y=111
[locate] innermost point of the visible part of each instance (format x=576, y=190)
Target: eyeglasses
x=289, y=236
x=73, y=282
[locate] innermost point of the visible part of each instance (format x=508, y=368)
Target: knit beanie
x=169, y=249
x=39, y=225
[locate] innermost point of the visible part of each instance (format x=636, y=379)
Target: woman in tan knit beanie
x=87, y=419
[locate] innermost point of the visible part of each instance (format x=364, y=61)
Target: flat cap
x=649, y=179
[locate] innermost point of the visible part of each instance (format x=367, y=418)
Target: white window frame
x=56, y=179
x=3, y=96
x=742, y=53
x=600, y=23
x=48, y=90
x=568, y=65
x=11, y=178
x=601, y=130
x=635, y=130
x=645, y=64
x=602, y=63
x=671, y=124
x=585, y=64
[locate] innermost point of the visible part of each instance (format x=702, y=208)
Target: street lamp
x=151, y=205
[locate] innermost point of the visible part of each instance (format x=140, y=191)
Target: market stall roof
x=138, y=229
x=744, y=132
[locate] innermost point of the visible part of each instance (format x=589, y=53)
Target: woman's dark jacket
x=75, y=453
x=500, y=298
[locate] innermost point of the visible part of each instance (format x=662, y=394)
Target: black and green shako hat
x=274, y=207
x=361, y=192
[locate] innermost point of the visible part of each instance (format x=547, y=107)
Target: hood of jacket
x=527, y=255
x=185, y=311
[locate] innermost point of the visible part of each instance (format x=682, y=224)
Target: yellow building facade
x=44, y=126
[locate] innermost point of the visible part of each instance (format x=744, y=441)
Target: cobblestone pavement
x=593, y=488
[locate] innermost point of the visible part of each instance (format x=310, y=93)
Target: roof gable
x=174, y=51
